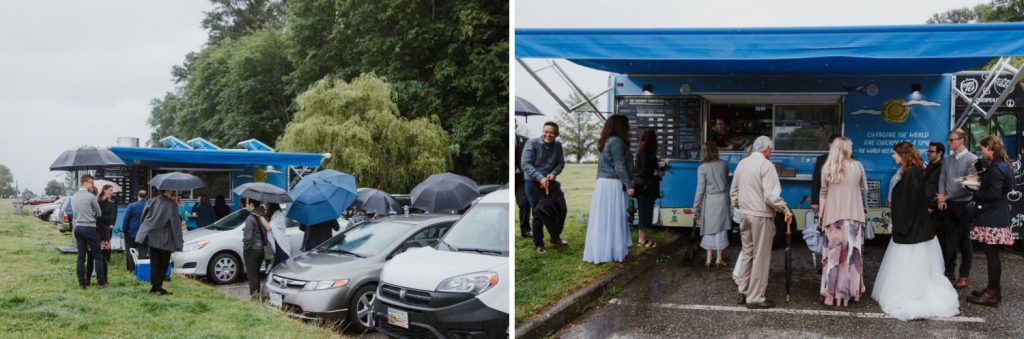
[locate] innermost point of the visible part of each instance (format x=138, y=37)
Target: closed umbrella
x=176, y=181
x=322, y=196
x=444, y=193
x=86, y=158
x=550, y=211
x=264, y=192
x=789, y=256
x=376, y=201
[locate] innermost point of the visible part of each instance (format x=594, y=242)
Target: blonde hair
x=709, y=152
x=838, y=153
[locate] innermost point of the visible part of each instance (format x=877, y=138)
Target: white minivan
x=458, y=288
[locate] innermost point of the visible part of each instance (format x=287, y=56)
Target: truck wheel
x=224, y=268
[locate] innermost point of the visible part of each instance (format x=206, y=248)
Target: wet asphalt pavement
x=677, y=299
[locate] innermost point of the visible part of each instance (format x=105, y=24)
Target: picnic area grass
x=543, y=279
x=40, y=298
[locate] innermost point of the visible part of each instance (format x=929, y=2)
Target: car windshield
x=366, y=239
x=484, y=229
x=231, y=221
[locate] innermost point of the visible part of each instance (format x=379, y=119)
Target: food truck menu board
x=674, y=120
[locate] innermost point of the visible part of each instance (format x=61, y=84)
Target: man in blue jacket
x=132, y=220
x=542, y=161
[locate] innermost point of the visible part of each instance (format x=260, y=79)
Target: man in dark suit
x=132, y=220
x=816, y=177
x=944, y=232
x=521, y=201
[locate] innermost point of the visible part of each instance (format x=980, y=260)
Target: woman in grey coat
x=161, y=232
x=712, y=200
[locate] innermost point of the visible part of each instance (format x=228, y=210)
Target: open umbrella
x=264, y=192
x=789, y=256
x=86, y=158
x=100, y=183
x=444, y=193
x=176, y=181
x=525, y=108
x=322, y=196
x=376, y=201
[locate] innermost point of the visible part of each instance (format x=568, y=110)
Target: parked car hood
x=424, y=268
x=204, y=234
x=314, y=265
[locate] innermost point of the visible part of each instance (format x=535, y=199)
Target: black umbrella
x=175, y=181
x=789, y=256
x=445, y=192
x=86, y=158
x=376, y=201
x=525, y=108
x=264, y=192
x=550, y=211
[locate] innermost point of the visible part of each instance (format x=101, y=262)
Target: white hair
x=762, y=143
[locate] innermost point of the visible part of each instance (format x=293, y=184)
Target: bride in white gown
x=910, y=284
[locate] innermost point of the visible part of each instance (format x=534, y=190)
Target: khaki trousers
x=756, y=235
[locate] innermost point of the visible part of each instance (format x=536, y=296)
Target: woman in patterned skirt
x=843, y=184
x=992, y=222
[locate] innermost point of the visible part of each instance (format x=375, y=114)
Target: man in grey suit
x=161, y=232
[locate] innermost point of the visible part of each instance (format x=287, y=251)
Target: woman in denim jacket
x=608, y=235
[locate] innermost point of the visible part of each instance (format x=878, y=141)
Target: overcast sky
x=78, y=73
x=669, y=13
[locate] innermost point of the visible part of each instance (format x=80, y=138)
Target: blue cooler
x=142, y=267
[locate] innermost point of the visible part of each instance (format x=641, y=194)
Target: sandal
x=648, y=244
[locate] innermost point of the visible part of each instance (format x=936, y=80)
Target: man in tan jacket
x=755, y=193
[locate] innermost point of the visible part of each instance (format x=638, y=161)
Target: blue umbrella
x=322, y=196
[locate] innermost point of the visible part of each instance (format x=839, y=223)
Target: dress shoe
x=988, y=297
x=163, y=292
x=742, y=299
x=962, y=283
x=81, y=286
x=540, y=250
x=761, y=305
x=103, y=286
x=559, y=242
x=527, y=234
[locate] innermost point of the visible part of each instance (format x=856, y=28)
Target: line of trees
x=443, y=61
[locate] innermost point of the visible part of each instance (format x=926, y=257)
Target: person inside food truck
x=721, y=135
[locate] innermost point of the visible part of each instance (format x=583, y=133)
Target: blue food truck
x=220, y=169
x=875, y=85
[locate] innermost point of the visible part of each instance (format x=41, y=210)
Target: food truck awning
x=916, y=49
x=147, y=155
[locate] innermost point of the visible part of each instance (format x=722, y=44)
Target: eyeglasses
x=954, y=139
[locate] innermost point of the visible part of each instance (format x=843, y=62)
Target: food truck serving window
x=797, y=127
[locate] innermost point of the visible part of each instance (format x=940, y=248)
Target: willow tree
x=360, y=125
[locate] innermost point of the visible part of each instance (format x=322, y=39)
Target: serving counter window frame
x=772, y=106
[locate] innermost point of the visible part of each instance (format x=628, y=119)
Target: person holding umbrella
x=841, y=204
x=160, y=231
x=161, y=224
x=254, y=244
x=608, y=237
x=524, y=204
x=87, y=238
x=318, y=200
x=542, y=162
x=756, y=193
x=910, y=283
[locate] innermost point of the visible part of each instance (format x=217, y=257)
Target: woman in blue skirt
x=608, y=237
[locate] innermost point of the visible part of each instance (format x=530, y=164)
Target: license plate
x=398, y=318
x=276, y=299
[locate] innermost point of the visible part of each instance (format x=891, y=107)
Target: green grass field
x=543, y=279
x=40, y=298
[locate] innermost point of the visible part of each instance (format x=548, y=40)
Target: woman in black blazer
x=647, y=183
x=992, y=215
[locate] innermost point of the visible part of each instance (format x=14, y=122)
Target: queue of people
x=939, y=209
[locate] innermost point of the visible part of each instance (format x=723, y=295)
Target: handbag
x=268, y=251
